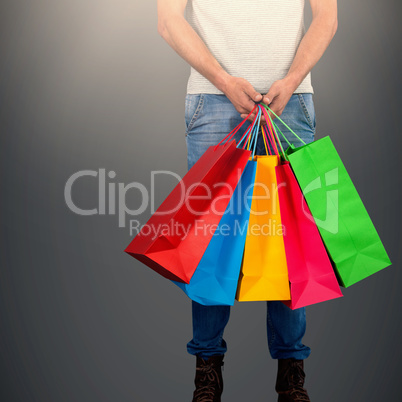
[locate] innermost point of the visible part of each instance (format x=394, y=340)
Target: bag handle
x=267, y=135
x=264, y=137
x=268, y=139
x=250, y=131
x=236, y=129
x=274, y=135
x=265, y=107
x=251, y=135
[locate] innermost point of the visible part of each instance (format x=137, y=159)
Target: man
x=242, y=52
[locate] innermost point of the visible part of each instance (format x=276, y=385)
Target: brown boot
x=290, y=381
x=208, y=379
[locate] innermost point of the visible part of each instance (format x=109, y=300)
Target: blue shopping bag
x=216, y=277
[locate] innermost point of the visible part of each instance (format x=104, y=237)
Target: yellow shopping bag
x=264, y=274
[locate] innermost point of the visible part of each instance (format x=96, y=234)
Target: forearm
x=185, y=41
x=178, y=33
x=313, y=45
x=310, y=50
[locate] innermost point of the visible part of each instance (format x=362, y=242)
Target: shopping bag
x=312, y=279
x=264, y=273
x=168, y=243
x=311, y=276
x=214, y=282
x=345, y=226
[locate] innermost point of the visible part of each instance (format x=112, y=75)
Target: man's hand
x=277, y=98
x=278, y=95
x=242, y=95
x=313, y=45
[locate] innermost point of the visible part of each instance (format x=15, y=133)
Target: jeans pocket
x=307, y=104
x=194, y=104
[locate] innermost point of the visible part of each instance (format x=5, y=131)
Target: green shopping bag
x=348, y=233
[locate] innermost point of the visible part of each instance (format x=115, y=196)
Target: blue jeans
x=209, y=118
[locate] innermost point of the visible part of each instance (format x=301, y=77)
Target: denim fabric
x=209, y=118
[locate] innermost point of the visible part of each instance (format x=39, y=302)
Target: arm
x=178, y=33
x=311, y=48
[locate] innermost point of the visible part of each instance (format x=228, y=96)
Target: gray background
x=90, y=84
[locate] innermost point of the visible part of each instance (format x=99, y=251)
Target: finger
x=276, y=111
x=250, y=118
x=276, y=108
x=271, y=115
x=252, y=93
x=263, y=119
x=248, y=105
x=252, y=115
x=243, y=111
x=271, y=95
x=266, y=100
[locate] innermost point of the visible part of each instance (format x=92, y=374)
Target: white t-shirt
x=253, y=39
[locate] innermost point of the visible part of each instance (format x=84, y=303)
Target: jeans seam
x=306, y=113
x=196, y=113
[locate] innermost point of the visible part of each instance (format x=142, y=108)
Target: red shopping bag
x=311, y=276
x=190, y=214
